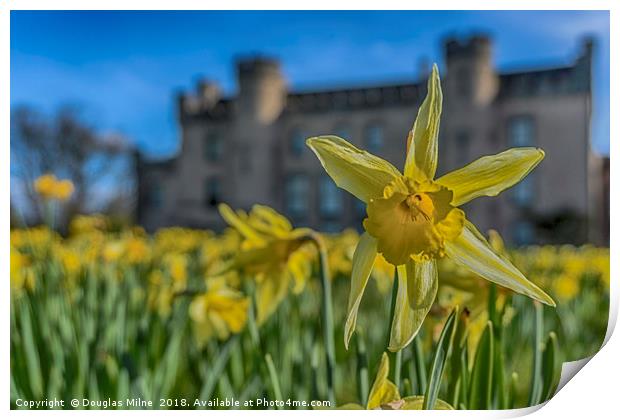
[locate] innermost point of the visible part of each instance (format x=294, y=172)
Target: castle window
x=463, y=142
x=463, y=83
x=521, y=131
x=374, y=138
x=523, y=192
x=297, y=142
x=521, y=134
x=214, y=147
x=297, y=189
x=212, y=191
x=155, y=196
x=330, y=198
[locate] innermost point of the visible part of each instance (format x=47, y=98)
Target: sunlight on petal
x=357, y=171
x=474, y=252
x=422, y=143
x=490, y=175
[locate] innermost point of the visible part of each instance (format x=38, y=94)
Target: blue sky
x=123, y=68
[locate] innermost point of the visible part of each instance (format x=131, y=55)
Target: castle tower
x=262, y=89
x=470, y=86
x=260, y=101
x=472, y=79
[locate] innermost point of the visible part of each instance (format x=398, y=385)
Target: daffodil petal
x=357, y=171
x=471, y=250
x=417, y=288
x=235, y=221
x=383, y=391
x=270, y=292
x=363, y=261
x=422, y=149
x=491, y=175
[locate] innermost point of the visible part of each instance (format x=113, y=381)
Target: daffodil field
x=419, y=311
x=103, y=314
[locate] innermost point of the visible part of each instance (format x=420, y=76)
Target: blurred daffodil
x=21, y=275
x=51, y=188
x=219, y=312
x=274, y=254
x=384, y=394
x=414, y=219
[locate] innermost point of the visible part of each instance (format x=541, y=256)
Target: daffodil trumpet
x=414, y=219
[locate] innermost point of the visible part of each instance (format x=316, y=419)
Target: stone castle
x=250, y=148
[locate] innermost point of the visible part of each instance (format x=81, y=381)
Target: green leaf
x=417, y=364
x=550, y=367
x=35, y=376
x=213, y=371
x=273, y=376
x=482, y=372
x=362, y=369
x=536, y=382
x=512, y=391
x=442, y=352
x=458, y=363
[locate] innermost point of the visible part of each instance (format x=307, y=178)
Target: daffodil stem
x=362, y=368
x=328, y=317
x=398, y=357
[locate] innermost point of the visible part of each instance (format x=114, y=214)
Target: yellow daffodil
x=82, y=224
x=137, y=250
x=274, y=254
x=160, y=294
x=219, y=312
x=384, y=394
x=21, y=275
x=176, y=265
x=566, y=287
x=49, y=187
x=414, y=219
x=44, y=185
x=113, y=251
x=70, y=260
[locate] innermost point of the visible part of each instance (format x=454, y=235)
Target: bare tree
x=65, y=145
